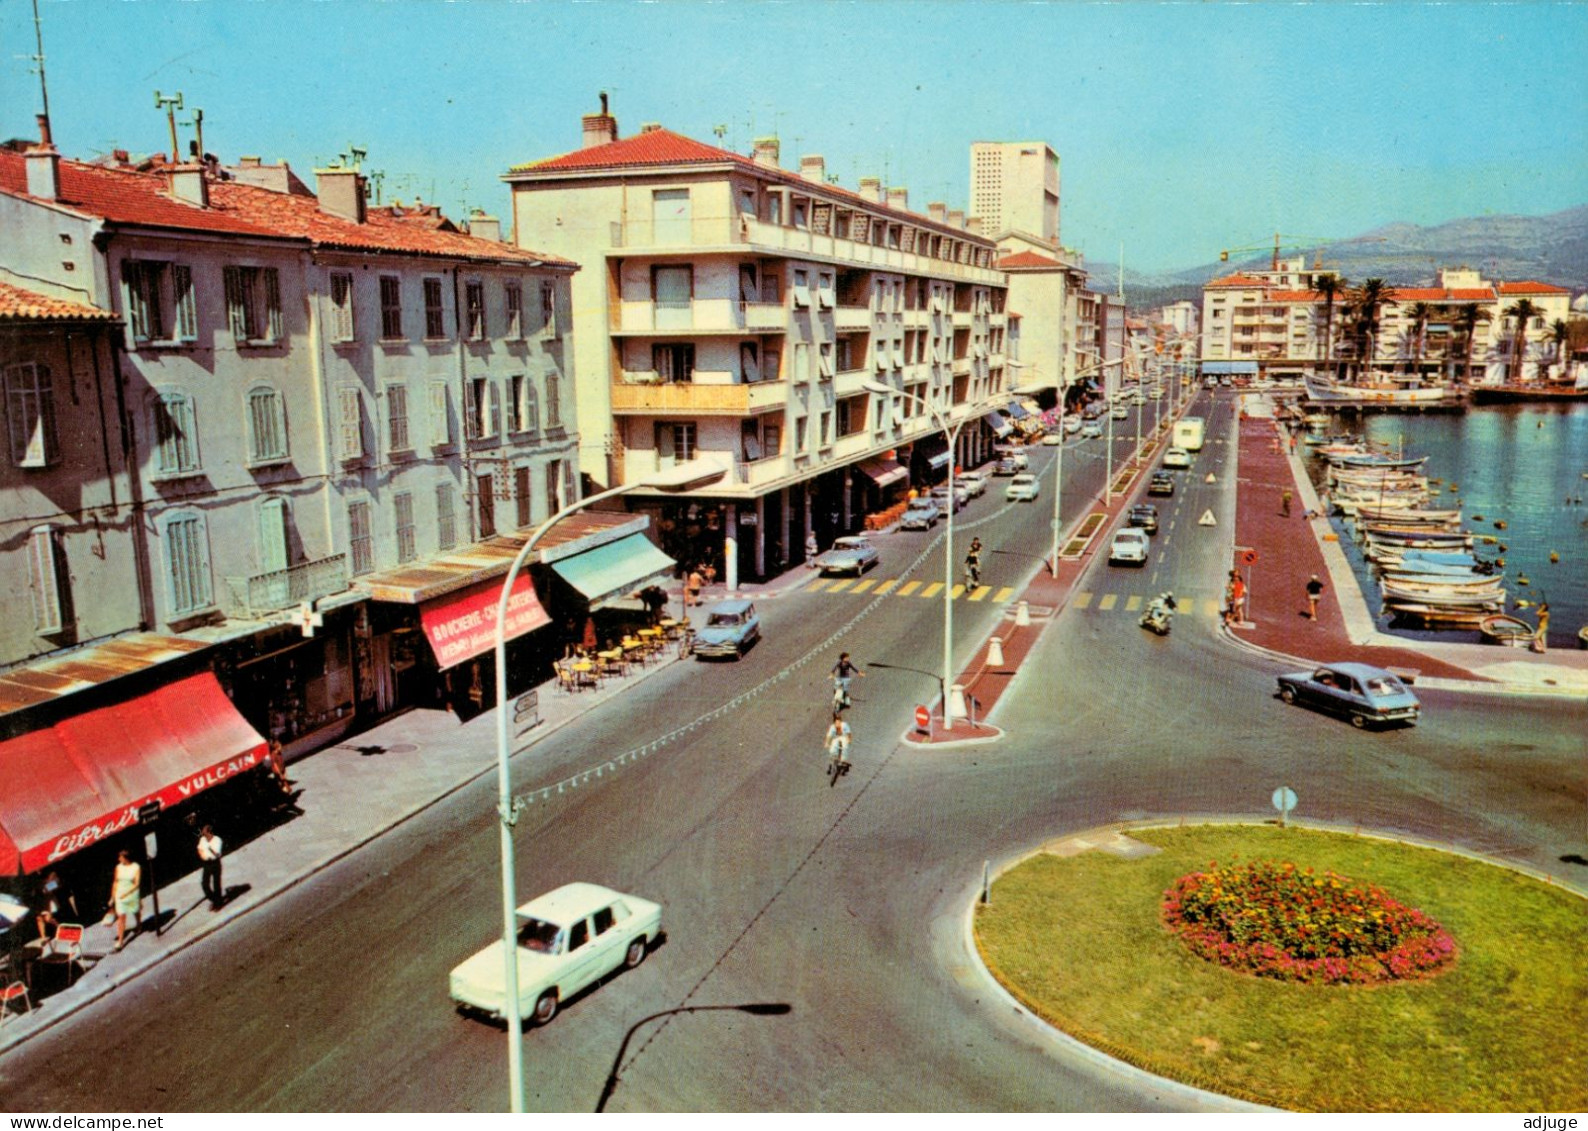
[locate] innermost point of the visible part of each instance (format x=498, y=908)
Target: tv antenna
x=170, y=105
x=197, y=122
x=38, y=58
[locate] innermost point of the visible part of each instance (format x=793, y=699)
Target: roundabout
x=1301, y=968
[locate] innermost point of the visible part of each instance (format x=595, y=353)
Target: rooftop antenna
x=197, y=122
x=358, y=153
x=170, y=105
x=373, y=184
x=721, y=130
x=38, y=59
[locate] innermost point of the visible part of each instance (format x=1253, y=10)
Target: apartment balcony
x=851, y=381
x=961, y=366
x=699, y=317
x=285, y=588
x=852, y=317
x=774, y=238
x=642, y=394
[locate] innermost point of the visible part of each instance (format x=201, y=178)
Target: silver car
x=853, y=553
x=1362, y=692
x=921, y=514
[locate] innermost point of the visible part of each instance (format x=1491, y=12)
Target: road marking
x=955, y=593
x=932, y=590
x=862, y=586
x=840, y=585
x=908, y=588
x=1108, y=602
x=981, y=593
x=817, y=585
x=1083, y=600
x=886, y=586
x=1132, y=604
x=1004, y=594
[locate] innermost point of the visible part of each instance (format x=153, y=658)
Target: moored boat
x=1502, y=628
x=1491, y=599
x=1337, y=394
x=1436, y=615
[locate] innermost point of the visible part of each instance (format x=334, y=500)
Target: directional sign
x=923, y=719
x=1284, y=800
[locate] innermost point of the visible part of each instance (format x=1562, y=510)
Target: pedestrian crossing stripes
x=930, y=590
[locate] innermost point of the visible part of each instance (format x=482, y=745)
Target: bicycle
x=841, y=697
x=837, y=764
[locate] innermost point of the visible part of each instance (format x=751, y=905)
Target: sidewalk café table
x=584, y=671
x=611, y=661
x=671, y=628
x=652, y=637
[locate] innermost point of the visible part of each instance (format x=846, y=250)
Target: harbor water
x=1523, y=465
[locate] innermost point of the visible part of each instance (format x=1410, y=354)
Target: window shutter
x=272, y=303
x=45, y=578
x=490, y=425
x=182, y=299
x=272, y=535
x=137, y=308
x=440, y=424
x=351, y=430
x=236, y=309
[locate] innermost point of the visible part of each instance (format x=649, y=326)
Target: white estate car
x=1177, y=457
x=1128, y=548
x=974, y=482
x=1023, y=488
x=567, y=939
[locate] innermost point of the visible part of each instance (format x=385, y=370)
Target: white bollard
x=956, y=702
x=1022, y=615
x=995, y=652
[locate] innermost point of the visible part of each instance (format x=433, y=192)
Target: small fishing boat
x=1409, y=516
x=1405, y=538
x=1375, y=461
x=1501, y=628
x=1436, y=615
x=1422, y=595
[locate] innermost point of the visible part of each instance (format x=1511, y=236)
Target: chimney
x=187, y=183
x=938, y=211
x=813, y=167
x=341, y=192
x=650, y=127
x=485, y=227
x=899, y=198
x=871, y=189
x=973, y=225
x=956, y=218
x=248, y=162
x=599, y=129
x=766, y=152
x=44, y=165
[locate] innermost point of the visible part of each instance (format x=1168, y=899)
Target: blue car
x=1362, y=692
x=731, y=628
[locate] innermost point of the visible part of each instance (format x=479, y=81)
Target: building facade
x=1014, y=187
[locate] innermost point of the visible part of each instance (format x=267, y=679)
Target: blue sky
x=1182, y=128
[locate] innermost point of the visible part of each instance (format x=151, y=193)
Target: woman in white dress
x=126, y=895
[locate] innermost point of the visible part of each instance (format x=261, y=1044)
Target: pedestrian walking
x=209, y=854
x=1314, y=591
x=973, y=563
x=1284, y=504
x=126, y=896
x=692, y=587
x=812, y=548
x=1541, y=634
x=1235, y=598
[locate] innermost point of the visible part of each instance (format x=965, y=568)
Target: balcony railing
x=640, y=394
x=283, y=588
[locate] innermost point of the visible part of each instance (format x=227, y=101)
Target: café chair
x=14, y=992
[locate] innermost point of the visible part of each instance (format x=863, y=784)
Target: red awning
x=67, y=786
x=462, y=625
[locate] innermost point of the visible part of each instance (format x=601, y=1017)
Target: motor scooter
x=1159, y=614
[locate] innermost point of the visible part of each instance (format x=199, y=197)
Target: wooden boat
x=1438, y=615
x=1322, y=391
x=1532, y=391
x=1376, y=462
x=1492, y=599
x=1500, y=628
x=1411, y=571
x=1443, y=584
x=1405, y=539
x=1410, y=516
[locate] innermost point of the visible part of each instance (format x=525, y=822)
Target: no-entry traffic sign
x=923, y=719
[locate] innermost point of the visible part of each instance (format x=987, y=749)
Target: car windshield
x=848, y=544
x=723, y=619
x=538, y=935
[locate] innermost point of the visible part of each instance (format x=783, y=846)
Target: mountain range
x=1550, y=249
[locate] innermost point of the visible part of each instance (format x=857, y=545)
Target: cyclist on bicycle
x=839, y=736
x=973, y=563
x=844, y=672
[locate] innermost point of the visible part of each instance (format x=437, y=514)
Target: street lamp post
x=696, y=473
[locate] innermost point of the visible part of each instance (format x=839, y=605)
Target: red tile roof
x=1236, y=280
x=19, y=305
x=1026, y=259
x=1531, y=287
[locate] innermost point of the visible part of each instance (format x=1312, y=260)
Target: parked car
x=853, y=553
x=1120, y=412
x=568, y=939
x=1362, y=692
x=1023, y=488
x=1161, y=483
x=1005, y=466
x=1092, y=411
x=940, y=493
x=1022, y=461
x=731, y=628
x=1177, y=457
x=921, y=514
x=1143, y=516
x=1053, y=439
x=1211, y=381
x=1072, y=425
x=1091, y=430
x=1128, y=548
x=974, y=482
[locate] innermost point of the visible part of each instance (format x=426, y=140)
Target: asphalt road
x=846, y=904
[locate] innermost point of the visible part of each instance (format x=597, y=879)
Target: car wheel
x=636, y=953
x=1359, y=721
x=546, y=1008
x=1287, y=694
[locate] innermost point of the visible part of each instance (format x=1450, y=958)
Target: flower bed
x=1279, y=921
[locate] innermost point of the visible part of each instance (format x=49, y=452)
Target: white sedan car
x=1177, y=457
x=1023, y=488
x=568, y=939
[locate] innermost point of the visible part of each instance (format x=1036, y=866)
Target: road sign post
x=1284, y=800
x=923, y=721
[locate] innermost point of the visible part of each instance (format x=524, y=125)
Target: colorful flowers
x=1277, y=921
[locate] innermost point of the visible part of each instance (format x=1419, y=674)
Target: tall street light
x=951, y=434
x=685, y=477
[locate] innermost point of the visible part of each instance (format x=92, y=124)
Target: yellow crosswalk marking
x=1083, y=600
x=886, y=586
x=981, y=593
x=1108, y=602
x=909, y=587
x=932, y=590
x=1004, y=594
x=816, y=585
x=862, y=586
x=840, y=585
x=955, y=593
x=1132, y=604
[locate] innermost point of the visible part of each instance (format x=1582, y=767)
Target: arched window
x=267, y=426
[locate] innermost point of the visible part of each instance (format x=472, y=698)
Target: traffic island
x=1080, y=934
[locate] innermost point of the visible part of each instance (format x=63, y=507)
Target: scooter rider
x=844, y=672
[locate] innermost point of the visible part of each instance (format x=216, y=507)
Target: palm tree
x=1367, y=301
x=1524, y=310
x=1467, y=326
x=1330, y=287
x=1560, y=338
x=1419, y=313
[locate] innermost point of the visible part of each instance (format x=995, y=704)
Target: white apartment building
x=730, y=308
x=1014, y=187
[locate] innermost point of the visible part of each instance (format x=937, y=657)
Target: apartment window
x=749, y=362
x=802, y=361
x=553, y=487
x=846, y=355
x=350, y=424
x=30, y=414
x=187, y=561
x=675, y=441
x=160, y=304
x=674, y=361
x=341, y=306
x=515, y=311
x=548, y=308
x=801, y=217
x=824, y=289
x=521, y=495
x=397, y=418
x=446, y=517
x=273, y=540
x=826, y=438
x=435, y=313
x=474, y=302
x=391, y=308
x=771, y=440
x=480, y=412
x=515, y=403
x=175, y=434
x=802, y=287
x=485, y=497
x=360, y=539
x=800, y=436
x=267, y=426
x=553, y=400
x=825, y=355
x=749, y=288
x=771, y=363
x=749, y=440
x=253, y=304
x=440, y=415
x=851, y=415
x=403, y=511
x=771, y=287
x=44, y=577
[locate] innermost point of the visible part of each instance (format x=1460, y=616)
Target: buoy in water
x=1523, y=603
x=1521, y=579
x=1477, y=518
x=1502, y=547
x=1554, y=557
x=1499, y=524
x=1500, y=562
x=1487, y=539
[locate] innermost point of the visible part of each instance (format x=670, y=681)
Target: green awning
x=616, y=569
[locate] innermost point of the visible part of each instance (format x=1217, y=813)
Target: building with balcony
x=729, y=308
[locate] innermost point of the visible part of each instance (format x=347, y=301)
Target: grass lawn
x=1080, y=942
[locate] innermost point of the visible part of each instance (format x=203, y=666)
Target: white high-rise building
x=1014, y=187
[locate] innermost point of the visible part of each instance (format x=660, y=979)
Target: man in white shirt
x=209, y=851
